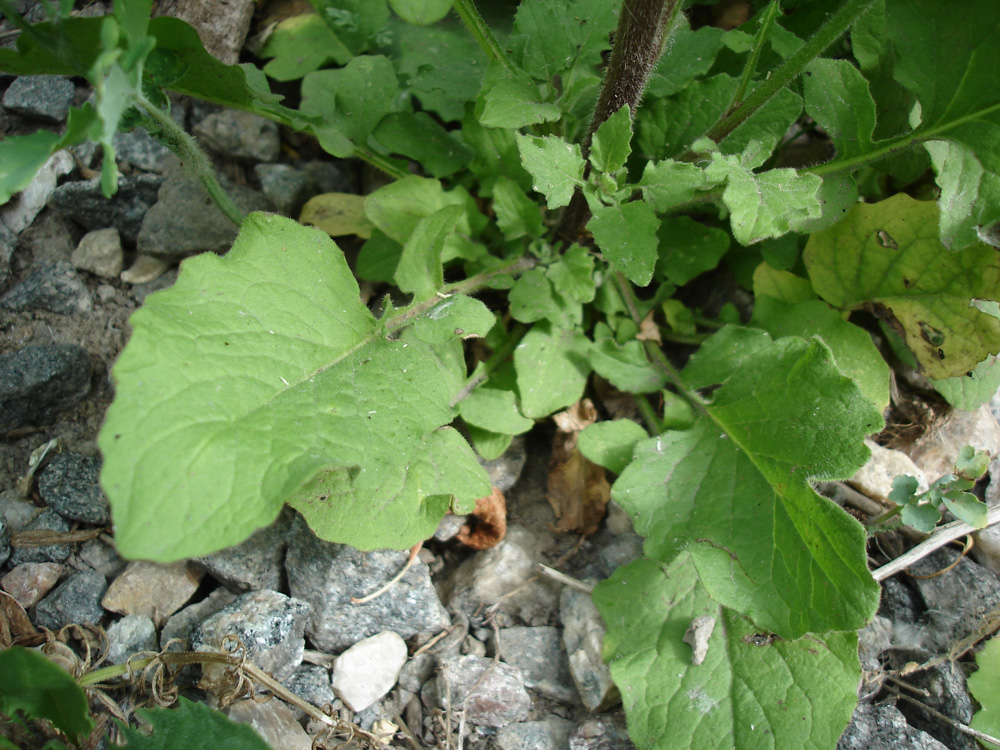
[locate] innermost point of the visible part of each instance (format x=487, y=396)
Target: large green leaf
x=739, y=480
x=626, y=234
x=985, y=686
x=750, y=691
x=191, y=725
x=260, y=378
x=552, y=369
x=886, y=257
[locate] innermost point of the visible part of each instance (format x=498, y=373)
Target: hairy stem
x=828, y=33
x=758, y=44
x=195, y=161
x=474, y=22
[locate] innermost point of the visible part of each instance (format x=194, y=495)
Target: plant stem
x=758, y=45
x=495, y=360
x=648, y=413
x=828, y=33
x=466, y=10
x=380, y=162
x=195, y=161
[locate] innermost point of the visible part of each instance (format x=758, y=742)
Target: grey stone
x=240, y=136
x=253, y=564
x=186, y=221
x=505, y=470
x=53, y=286
x=8, y=241
x=268, y=624
x=45, y=98
x=142, y=151
x=69, y=485
x=100, y=252
x=539, y=654
x=75, y=600
x=130, y=635
x=47, y=520
x=600, y=733
x=619, y=551
x=286, y=187
x=311, y=683
x=583, y=635
x=4, y=540
x=882, y=727
x=945, y=691
x=153, y=590
x=958, y=600
x=327, y=575
x=50, y=238
x=180, y=625
x=368, y=670
x=83, y=202
x=39, y=382
x=328, y=177
x=490, y=693
x=102, y=557
x=274, y=722
x=552, y=733
x=17, y=511
x=501, y=574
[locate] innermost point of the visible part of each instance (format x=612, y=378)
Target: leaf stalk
x=466, y=10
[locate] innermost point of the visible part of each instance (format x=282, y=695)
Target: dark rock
x=945, y=691
x=490, y=692
x=53, y=286
x=8, y=241
x=40, y=97
x=139, y=149
x=47, y=520
x=539, y=654
x=39, y=382
x=327, y=575
x=882, y=727
x=186, y=221
x=328, y=177
x=130, y=635
x=69, y=484
x=270, y=626
x=4, y=540
x=552, y=733
x=240, y=136
x=85, y=204
x=958, y=600
x=102, y=557
x=253, y=564
x=75, y=600
x=286, y=187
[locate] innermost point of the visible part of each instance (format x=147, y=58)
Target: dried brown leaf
x=648, y=330
x=578, y=490
x=491, y=525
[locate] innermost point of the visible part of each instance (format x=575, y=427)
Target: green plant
x=260, y=379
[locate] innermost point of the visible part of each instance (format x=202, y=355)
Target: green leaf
x=688, y=248
x=856, y=354
x=42, y=690
x=691, y=54
x=455, y=317
x=626, y=235
x=751, y=689
x=904, y=488
x=626, y=366
x=971, y=391
x=352, y=99
x=966, y=507
x=923, y=517
x=984, y=684
x=398, y=207
x=838, y=99
x=556, y=167
x=300, y=45
x=359, y=24
x=191, y=725
x=668, y=127
x=612, y=142
x=765, y=127
x=21, y=157
x=552, y=369
x=972, y=463
x=669, y=183
x=442, y=68
x=763, y=205
x=420, y=272
x=420, y=137
x=517, y=214
x=782, y=415
x=610, y=443
x=288, y=384
x=513, y=101
x=534, y=298
x=378, y=258
x=489, y=445
x=572, y=275
x=901, y=272
x=421, y=12
x=781, y=285
x=494, y=410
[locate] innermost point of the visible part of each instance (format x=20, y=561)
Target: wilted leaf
x=491, y=522
x=577, y=489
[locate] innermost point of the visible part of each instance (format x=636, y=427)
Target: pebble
x=368, y=669
x=40, y=97
x=253, y=564
x=102, y=557
x=84, y=203
x=130, y=635
x=286, y=187
x=152, y=590
x=75, y=600
x=552, y=733
x=502, y=573
x=327, y=575
x=55, y=287
x=875, y=478
x=275, y=722
x=30, y=582
x=936, y=451
x=583, y=635
x=943, y=688
x=140, y=150
x=880, y=725
x=39, y=382
x=100, y=252
x=240, y=136
x=311, y=683
x=106, y=292
x=491, y=693
x=538, y=652
x=69, y=485
x=19, y=214
x=180, y=625
x=145, y=270
x=4, y=540
x=601, y=733
x=270, y=626
x=17, y=511
x=50, y=238
x=204, y=228
x=47, y=520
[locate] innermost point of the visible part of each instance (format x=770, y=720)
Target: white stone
x=368, y=669
x=874, y=479
x=100, y=252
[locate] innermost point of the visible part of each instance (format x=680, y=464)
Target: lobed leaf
x=556, y=167
x=626, y=235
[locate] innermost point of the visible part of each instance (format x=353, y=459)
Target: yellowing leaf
x=338, y=214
